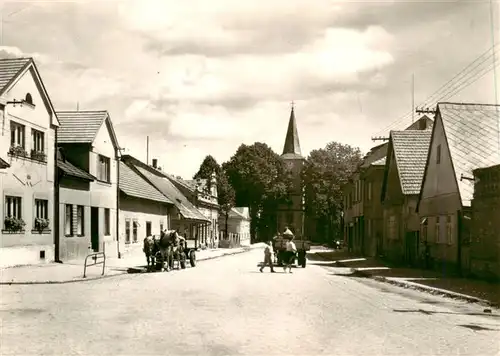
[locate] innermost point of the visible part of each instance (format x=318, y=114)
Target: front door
x=94, y=228
x=148, y=228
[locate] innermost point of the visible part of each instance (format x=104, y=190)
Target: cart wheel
x=192, y=258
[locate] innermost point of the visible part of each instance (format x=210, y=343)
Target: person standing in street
x=291, y=251
x=268, y=257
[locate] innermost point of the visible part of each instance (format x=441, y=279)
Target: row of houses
x=429, y=195
x=67, y=190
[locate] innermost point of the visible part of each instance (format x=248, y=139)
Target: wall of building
x=27, y=178
x=485, y=239
x=74, y=192
x=140, y=211
x=373, y=210
x=104, y=194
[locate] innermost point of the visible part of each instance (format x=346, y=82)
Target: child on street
x=268, y=257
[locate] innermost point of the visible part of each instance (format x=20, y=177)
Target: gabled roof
x=410, y=149
x=160, y=181
x=134, y=185
x=82, y=126
x=238, y=212
x=11, y=69
x=291, y=148
x=471, y=132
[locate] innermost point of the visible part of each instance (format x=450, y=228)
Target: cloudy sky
x=202, y=77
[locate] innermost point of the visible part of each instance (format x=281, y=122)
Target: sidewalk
x=433, y=282
x=72, y=271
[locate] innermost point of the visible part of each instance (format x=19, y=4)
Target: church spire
x=292, y=143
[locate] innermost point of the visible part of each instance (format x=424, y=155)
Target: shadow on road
x=431, y=312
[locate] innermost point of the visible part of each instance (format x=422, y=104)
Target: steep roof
x=160, y=181
x=472, y=134
x=132, y=184
x=82, y=126
x=11, y=69
x=239, y=213
x=410, y=148
x=291, y=148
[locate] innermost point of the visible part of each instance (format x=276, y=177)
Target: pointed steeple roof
x=291, y=149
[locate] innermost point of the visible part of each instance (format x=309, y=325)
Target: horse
x=150, y=248
x=168, y=245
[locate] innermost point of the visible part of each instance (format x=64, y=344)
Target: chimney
x=155, y=162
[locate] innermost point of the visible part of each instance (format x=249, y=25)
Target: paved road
x=226, y=307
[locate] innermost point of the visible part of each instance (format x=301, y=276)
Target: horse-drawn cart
x=177, y=257
x=302, y=245
x=168, y=251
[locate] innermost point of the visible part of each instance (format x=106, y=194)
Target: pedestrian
x=291, y=250
x=268, y=257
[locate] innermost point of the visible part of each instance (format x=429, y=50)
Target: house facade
x=88, y=141
x=238, y=228
x=27, y=155
x=404, y=170
x=144, y=210
x=363, y=215
x=183, y=215
x=485, y=237
x=203, y=195
x=464, y=138
x=74, y=186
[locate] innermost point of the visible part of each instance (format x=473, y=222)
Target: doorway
x=148, y=228
x=94, y=228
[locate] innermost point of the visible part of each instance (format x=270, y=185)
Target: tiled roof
x=73, y=171
x=410, y=149
x=79, y=126
x=132, y=184
x=472, y=134
x=9, y=69
x=164, y=185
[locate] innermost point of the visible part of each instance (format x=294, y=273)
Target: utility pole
x=147, y=150
x=412, y=98
x=425, y=111
x=380, y=138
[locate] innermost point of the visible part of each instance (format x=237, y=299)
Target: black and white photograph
x=279, y=177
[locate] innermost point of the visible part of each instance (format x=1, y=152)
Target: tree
x=325, y=172
x=208, y=167
x=259, y=179
x=226, y=197
x=225, y=192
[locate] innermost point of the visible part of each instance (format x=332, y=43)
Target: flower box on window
x=38, y=156
x=14, y=224
x=41, y=224
x=17, y=151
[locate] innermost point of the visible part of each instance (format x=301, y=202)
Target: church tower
x=292, y=215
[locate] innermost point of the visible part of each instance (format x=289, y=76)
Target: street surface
x=226, y=307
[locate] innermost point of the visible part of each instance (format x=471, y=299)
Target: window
x=148, y=228
x=449, y=230
x=437, y=230
x=17, y=134
x=438, y=154
x=127, y=231
x=38, y=138
x=107, y=224
x=29, y=99
x=13, y=207
x=369, y=193
x=161, y=227
x=80, y=225
x=41, y=209
x=134, y=230
x=103, y=172
x=68, y=220
x=423, y=226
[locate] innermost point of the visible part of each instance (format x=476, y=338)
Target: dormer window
x=29, y=99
